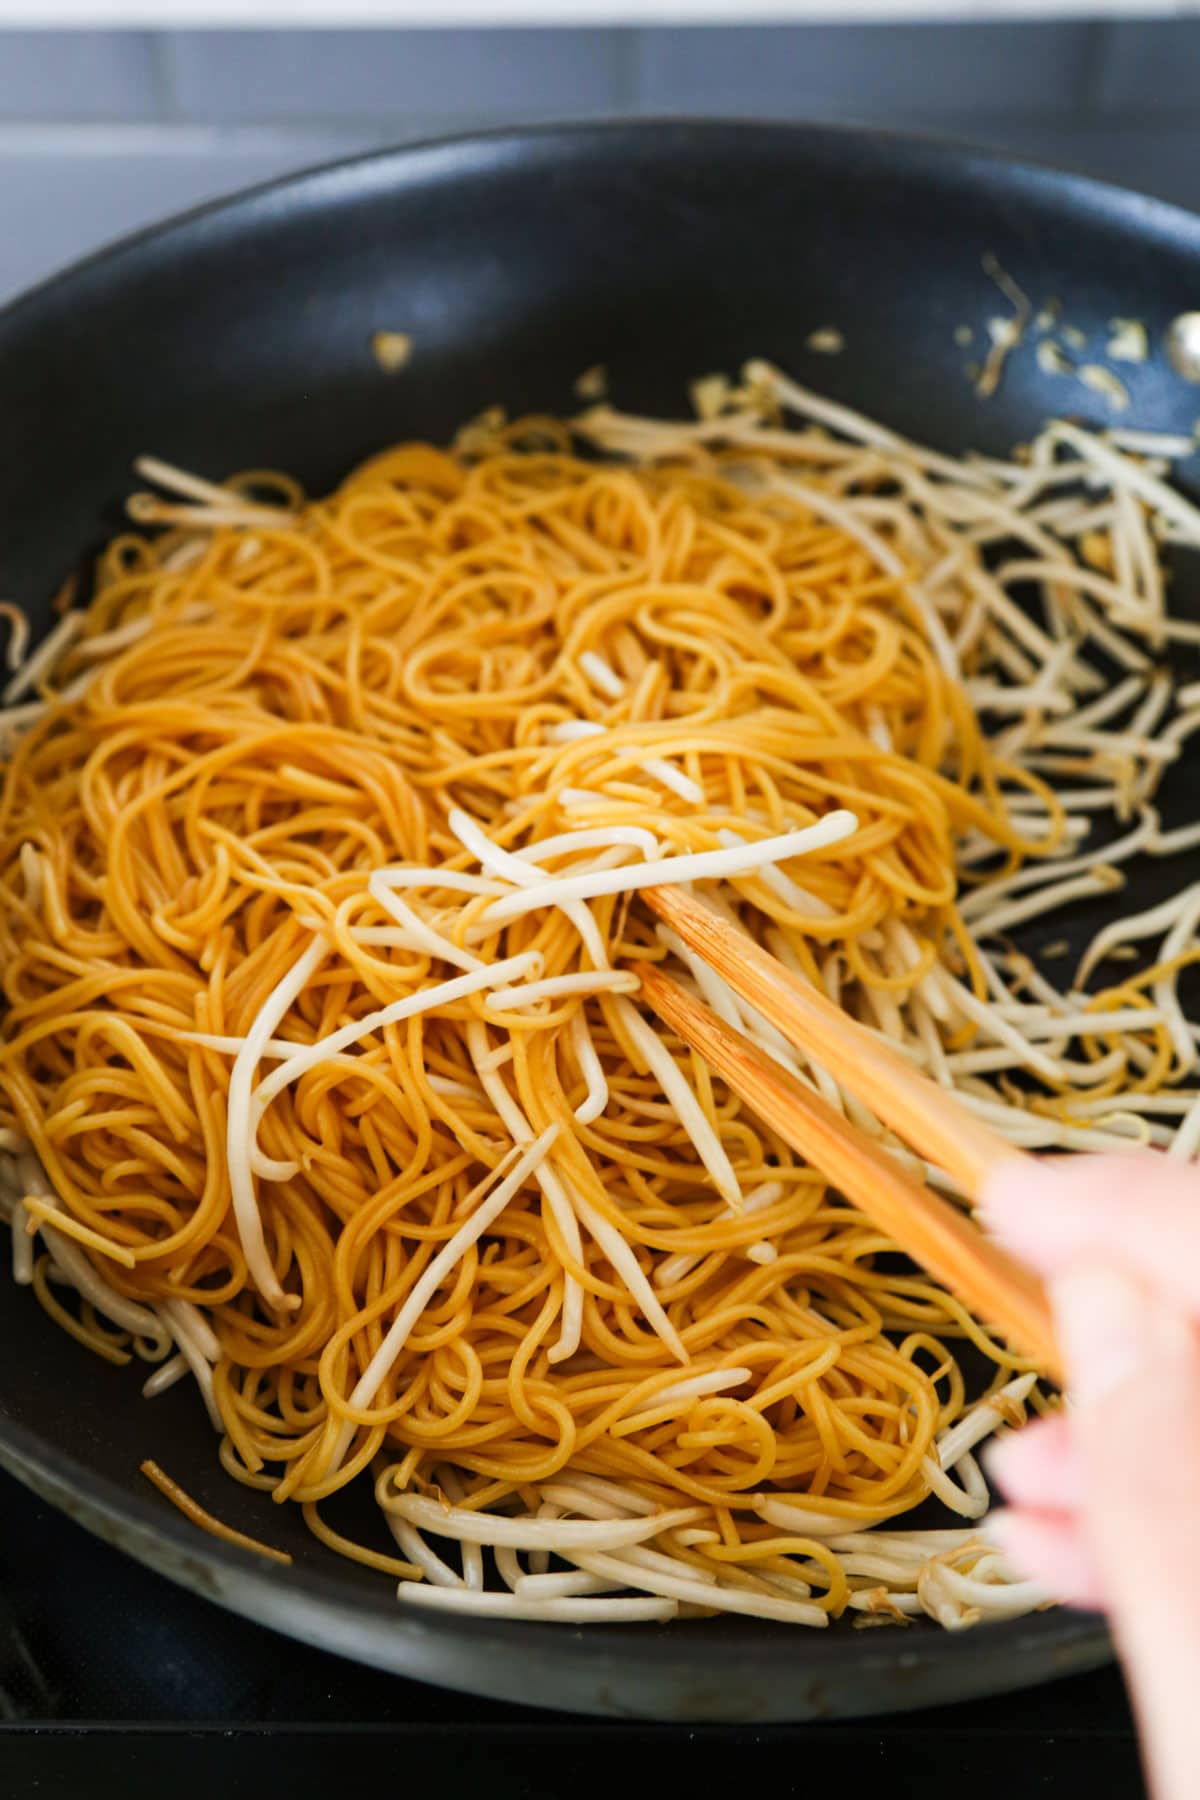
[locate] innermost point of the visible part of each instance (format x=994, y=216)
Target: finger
x=1134, y=1364
x=1039, y=1467
x=1140, y=1210
x=1049, y=1548
x=1134, y=1367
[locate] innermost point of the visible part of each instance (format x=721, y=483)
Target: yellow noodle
x=191, y=1509
x=275, y=710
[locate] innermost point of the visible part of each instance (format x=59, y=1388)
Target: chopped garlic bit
x=392, y=350
x=478, y=436
x=828, y=341
x=1072, y=335
x=1095, y=547
x=1128, y=342
x=593, y=383
x=1103, y=381
x=963, y=335
x=718, y=396
x=1051, y=359
x=710, y=395
x=1049, y=316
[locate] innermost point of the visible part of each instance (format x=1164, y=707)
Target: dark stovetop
x=115, y=1683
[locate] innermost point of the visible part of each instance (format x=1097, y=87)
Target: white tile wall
x=68, y=192
x=101, y=132
x=848, y=71
x=1152, y=66
x=250, y=75
x=78, y=75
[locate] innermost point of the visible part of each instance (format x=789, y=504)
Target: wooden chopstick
x=920, y=1112
x=1001, y=1290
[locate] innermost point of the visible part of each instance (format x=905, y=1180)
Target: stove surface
x=115, y=1683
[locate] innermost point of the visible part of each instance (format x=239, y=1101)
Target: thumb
x=1134, y=1363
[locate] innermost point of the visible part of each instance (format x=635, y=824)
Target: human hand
x=1105, y=1496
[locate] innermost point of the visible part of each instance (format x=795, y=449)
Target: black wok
x=240, y=337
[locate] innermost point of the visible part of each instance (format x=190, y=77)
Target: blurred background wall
x=101, y=131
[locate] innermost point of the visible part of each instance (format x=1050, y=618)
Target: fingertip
x=1004, y=1460
x=1050, y=1210
x=1021, y=1205
x=1006, y=1189
x=1038, y=1466
x=1047, y=1548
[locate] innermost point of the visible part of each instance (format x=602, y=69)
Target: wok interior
x=243, y=338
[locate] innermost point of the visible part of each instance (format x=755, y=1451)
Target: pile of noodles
x=511, y=1252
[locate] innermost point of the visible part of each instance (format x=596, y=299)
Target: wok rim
x=940, y=152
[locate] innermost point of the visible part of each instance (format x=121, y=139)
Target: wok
x=240, y=337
